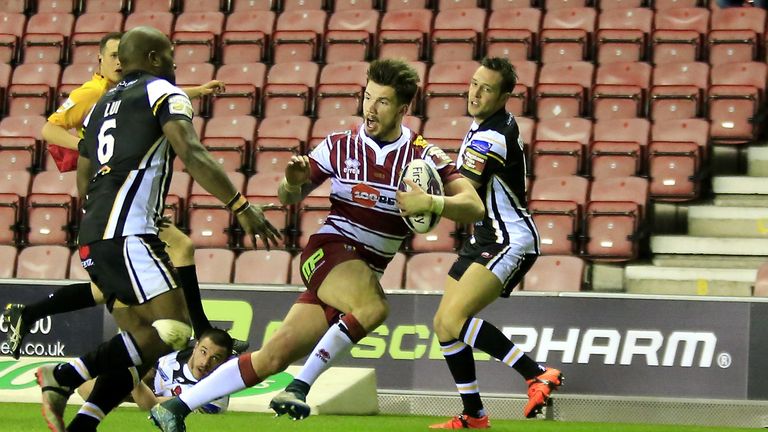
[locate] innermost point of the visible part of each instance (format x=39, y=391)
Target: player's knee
x=445, y=326
x=372, y=315
x=180, y=249
x=174, y=333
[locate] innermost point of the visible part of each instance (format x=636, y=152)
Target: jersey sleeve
x=168, y=102
x=442, y=162
x=320, y=167
x=73, y=111
x=485, y=149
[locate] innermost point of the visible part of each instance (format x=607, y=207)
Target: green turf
x=26, y=418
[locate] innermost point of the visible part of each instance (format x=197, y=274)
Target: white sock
x=334, y=343
x=225, y=380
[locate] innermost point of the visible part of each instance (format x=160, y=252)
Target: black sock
x=108, y=391
x=110, y=355
x=191, y=288
x=486, y=337
x=298, y=386
x=177, y=406
x=65, y=299
x=461, y=363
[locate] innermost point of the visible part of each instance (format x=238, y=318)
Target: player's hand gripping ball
x=427, y=178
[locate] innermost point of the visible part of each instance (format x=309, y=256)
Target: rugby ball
x=426, y=176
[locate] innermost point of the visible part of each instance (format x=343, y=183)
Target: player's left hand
x=212, y=87
x=413, y=202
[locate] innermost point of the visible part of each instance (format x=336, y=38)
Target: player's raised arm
x=294, y=186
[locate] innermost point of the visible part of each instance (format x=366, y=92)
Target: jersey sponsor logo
x=480, y=146
x=352, y=166
x=439, y=157
x=473, y=161
x=368, y=196
x=179, y=104
x=85, y=256
x=69, y=103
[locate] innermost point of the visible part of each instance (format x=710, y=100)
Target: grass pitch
x=16, y=417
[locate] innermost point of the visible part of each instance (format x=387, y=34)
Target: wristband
x=237, y=202
x=438, y=204
x=242, y=208
x=291, y=188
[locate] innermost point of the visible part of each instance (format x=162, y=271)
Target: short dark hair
x=108, y=37
x=219, y=337
x=397, y=74
x=505, y=68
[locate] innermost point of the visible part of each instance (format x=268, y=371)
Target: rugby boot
x=292, y=403
x=17, y=328
x=464, y=421
x=166, y=420
x=54, y=398
x=239, y=346
x=540, y=389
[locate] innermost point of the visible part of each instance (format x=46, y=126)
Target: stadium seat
x=292, y=5
x=31, y=89
x=614, y=215
x=231, y=126
x=442, y=238
x=159, y=19
x=324, y=126
x=560, y=146
x=527, y=128
x=351, y=35
x=73, y=77
x=244, y=84
x=457, y=34
x=309, y=222
x=737, y=91
x=403, y=33
x=11, y=31
x=14, y=188
x=290, y=89
x=555, y=273
x=618, y=147
x=563, y=89
x=176, y=200
x=319, y=198
x=619, y=90
x=510, y=4
x=411, y=122
x=566, y=34
x=51, y=208
x=340, y=91
x=283, y=133
x=513, y=33
x=622, y=34
x=246, y=5
x=99, y=6
x=277, y=215
x=396, y=5
x=673, y=4
x=214, y=265
x=209, y=222
x=230, y=139
x=15, y=6
x=76, y=270
x=447, y=88
x=7, y=261
x=20, y=142
x=43, y=262
x=139, y=6
x=298, y=36
x=246, y=37
x=271, y=161
x=196, y=36
x=519, y=102
x=89, y=29
x=735, y=34
x=344, y=5
x=678, y=90
x=203, y=6
x=678, y=34
x=761, y=281
x=457, y=4
x=675, y=156
x=604, y=5
x=556, y=206
x=192, y=75
x=296, y=271
x=447, y=132
x=263, y=267
x=392, y=279
x=427, y=271
x=46, y=37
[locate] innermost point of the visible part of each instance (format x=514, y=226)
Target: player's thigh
x=299, y=332
x=477, y=288
x=351, y=285
x=98, y=296
x=169, y=305
x=179, y=246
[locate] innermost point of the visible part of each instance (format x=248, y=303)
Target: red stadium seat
x=283, y=133
x=324, y=126
x=566, y=34
x=735, y=34
x=457, y=4
x=623, y=34
x=441, y=239
x=89, y=29
x=290, y=88
x=678, y=34
x=209, y=222
x=344, y=5
x=292, y=5
x=736, y=92
x=427, y=271
x=246, y=5
x=618, y=147
x=296, y=271
x=14, y=188
x=527, y=127
x=203, y=6
x=555, y=273
x=73, y=77
x=231, y=126
x=244, y=84
x=457, y=34
x=7, y=261
x=678, y=90
x=411, y=122
x=31, y=89
x=447, y=88
x=396, y=5
x=519, y=102
x=43, y=262
x=246, y=38
x=56, y=6
x=675, y=157
x=20, y=142
x=45, y=40
x=140, y=6
x=159, y=19
x=214, y=265
x=176, y=200
x=513, y=33
x=761, y=281
x=263, y=267
x=404, y=33
x=340, y=91
x=560, y=146
x=76, y=270
x=319, y=198
x=392, y=279
x=614, y=215
x=309, y=222
x=11, y=31
x=231, y=139
x=298, y=36
x=563, y=89
x=196, y=36
x=351, y=35
x=271, y=162
x=194, y=74
x=673, y=4
x=15, y=6
x=99, y=6
x=510, y=4
x=51, y=207
x=556, y=205
x=447, y=132
x=619, y=90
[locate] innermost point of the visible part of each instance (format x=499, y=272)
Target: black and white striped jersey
x=492, y=154
x=131, y=160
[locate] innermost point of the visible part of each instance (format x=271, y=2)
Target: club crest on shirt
x=420, y=142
